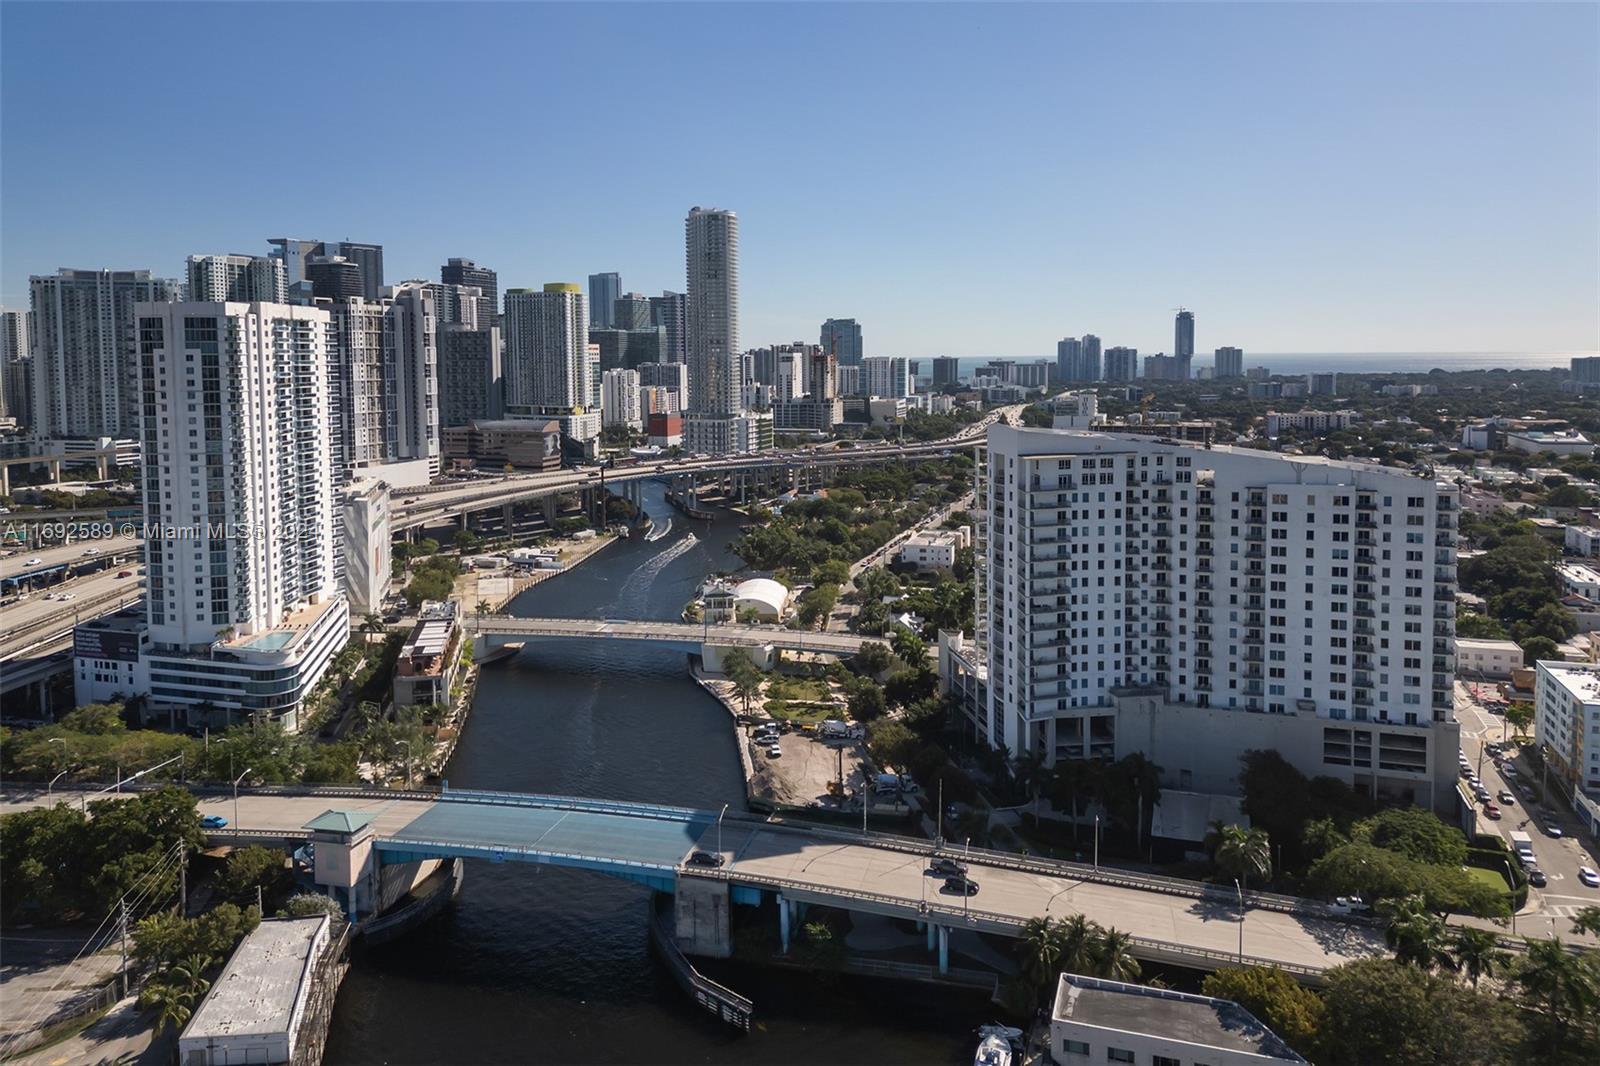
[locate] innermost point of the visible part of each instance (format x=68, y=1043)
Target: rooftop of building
x=1580, y=572
x=511, y=425
x=336, y=821
x=1581, y=680
x=285, y=638
x=258, y=989
x=1198, y=1020
x=1485, y=644
x=765, y=590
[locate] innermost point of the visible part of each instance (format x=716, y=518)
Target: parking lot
x=1563, y=894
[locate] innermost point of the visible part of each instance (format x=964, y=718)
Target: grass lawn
x=1493, y=879
x=803, y=689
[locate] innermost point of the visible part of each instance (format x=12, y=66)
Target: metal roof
x=332, y=821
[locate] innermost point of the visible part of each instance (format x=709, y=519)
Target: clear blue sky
x=966, y=180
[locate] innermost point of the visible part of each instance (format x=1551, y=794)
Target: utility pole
x=183, y=883
x=261, y=908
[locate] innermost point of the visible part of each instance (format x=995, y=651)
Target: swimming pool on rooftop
x=269, y=641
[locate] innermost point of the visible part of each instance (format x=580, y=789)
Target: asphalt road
x=1552, y=907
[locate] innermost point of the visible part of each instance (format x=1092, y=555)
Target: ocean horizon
x=1346, y=362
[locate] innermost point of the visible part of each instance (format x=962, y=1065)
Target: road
x=1552, y=907
x=36, y=622
x=683, y=632
x=120, y=546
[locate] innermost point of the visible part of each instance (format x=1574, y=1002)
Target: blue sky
x=965, y=180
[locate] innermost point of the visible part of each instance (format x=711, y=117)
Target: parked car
x=1507, y=798
x=213, y=821
x=961, y=886
x=774, y=752
x=1587, y=875
x=1536, y=877
x=1552, y=828
x=1491, y=811
x=1349, y=905
x=943, y=865
x=705, y=858
x=1509, y=771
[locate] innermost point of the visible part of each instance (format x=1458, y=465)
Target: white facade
x=1583, y=540
x=252, y=1013
x=711, y=259
x=1316, y=592
x=1566, y=725
x=1487, y=658
x=109, y=662
x=16, y=332
x=364, y=544
x=1099, y=1021
x=383, y=386
x=85, y=376
x=237, y=278
x=888, y=376
x=244, y=604
x=1308, y=421
x=619, y=399
x=1569, y=442
x=935, y=549
x=1579, y=579
x=547, y=361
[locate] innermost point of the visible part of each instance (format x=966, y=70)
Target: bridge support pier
x=783, y=923
x=700, y=912
x=933, y=933
x=944, y=950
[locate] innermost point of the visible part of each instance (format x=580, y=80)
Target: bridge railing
x=572, y=803
x=990, y=921
x=496, y=852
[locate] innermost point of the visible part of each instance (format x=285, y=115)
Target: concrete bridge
x=1173, y=921
x=493, y=628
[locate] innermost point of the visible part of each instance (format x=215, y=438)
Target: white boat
x=995, y=1046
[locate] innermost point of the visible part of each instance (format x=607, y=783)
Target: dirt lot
x=801, y=776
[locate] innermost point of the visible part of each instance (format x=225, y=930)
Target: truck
x=1521, y=843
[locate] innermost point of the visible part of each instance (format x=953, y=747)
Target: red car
x=1492, y=811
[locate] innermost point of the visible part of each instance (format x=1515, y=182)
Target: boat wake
x=658, y=530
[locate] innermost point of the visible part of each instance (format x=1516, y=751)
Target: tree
x=1033, y=776
x=249, y=869
x=309, y=905
x=1564, y=991
x=1041, y=953
x=1242, y=852
x=1416, y=935
x=891, y=743
x=816, y=604
x=909, y=647
x=1382, y=1011
x=744, y=674
x=866, y=701
x=1286, y=1006
x=1537, y=648
x=1519, y=716
x=831, y=572
x=1416, y=833
x=873, y=659
x=1477, y=952
x=1587, y=920
x=1113, y=956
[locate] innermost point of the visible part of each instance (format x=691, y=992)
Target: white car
x=1587, y=875
x=91, y=551
x=35, y=561
x=1349, y=905
x=64, y=596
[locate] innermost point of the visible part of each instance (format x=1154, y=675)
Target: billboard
x=105, y=644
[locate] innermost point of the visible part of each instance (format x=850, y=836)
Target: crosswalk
x=1561, y=910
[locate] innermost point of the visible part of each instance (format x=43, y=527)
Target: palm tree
x=1041, y=951
x=372, y=623
x=1033, y=776
x=1561, y=986
x=1079, y=937
x=1478, y=952
x=1113, y=956
x=1415, y=933
x=1242, y=852
x=171, y=1003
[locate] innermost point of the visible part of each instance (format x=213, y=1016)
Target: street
x=1548, y=909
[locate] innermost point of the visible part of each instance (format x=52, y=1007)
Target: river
x=538, y=964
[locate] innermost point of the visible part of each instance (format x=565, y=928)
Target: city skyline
x=1281, y=201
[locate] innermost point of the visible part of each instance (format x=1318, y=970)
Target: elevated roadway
x=505, y=627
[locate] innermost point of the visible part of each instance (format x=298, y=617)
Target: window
x=1074, y=1047
x=1116, y=1054
x=1162, y=1060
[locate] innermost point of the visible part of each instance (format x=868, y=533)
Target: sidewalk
x=123, y=1035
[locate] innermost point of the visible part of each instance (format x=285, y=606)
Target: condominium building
x=547, y=340
x=471, y=375
x=383, y=381
x=367, y=259
x=236, y=278
x=627, y=348
x=631, y=310
x=946, y=370
x=466, y=273
x=362, y=546
x=16, y=329
x=1069, y=359
x=245, y=609
x=603, y=292
x=1566, y=725
x=888, y=376
x=619, y=399
x=1122, y=364
x=1183, y=336
x=1229, y=363
x=85, y=372
x=1192, y=603
x=841, y=338
x=333, y=277
x=1309, y=421
x=716, y=389
x=460, y=305
x=668, y=311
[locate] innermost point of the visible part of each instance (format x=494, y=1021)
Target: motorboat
x=996, y=1045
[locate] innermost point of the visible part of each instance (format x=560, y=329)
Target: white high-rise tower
x=547, y=366
x=711, y=260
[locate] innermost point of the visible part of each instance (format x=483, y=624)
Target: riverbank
x=496, y=588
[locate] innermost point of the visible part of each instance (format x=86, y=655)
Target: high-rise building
x=603, y=292
x=946, y=370
x=821, y=376
x=1322, y=384
x=1069, y=359
x=1183, y=335
x=671, y=378
x=716, y=387
x=548, y=367
x=631, y=310
x=1192, y=603
x=383, y=360
x=85, y=374
x=486, y=281
x=1089, y=361
x=459, y=305
x=887, y=376
x=296, y=255
x=244, y=608
x=1586, y=370
x=627, y=348
x=236, y=279
x=619, y=399
x=1566, y=707
x=16, y=329
x=1230, y=363
x=333, y=277
x=1163, y=367
x=842, y=338
x=1122, y=364
x=852, y=381
x=471, y=379
x=668, y=311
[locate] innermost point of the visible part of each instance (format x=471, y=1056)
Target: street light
x=719, y=827
x=1240, y=890
x=407, y=745
x=1097, y=841
x=236, y=798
